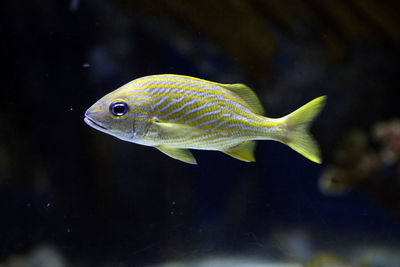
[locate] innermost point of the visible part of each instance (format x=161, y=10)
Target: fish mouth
x=94, y=124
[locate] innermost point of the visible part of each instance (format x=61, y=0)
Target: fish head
x=113, y=115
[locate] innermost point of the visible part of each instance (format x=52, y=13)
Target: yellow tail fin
x=298, y=123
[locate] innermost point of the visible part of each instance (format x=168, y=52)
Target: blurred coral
x=370, y=162
x=387, y=135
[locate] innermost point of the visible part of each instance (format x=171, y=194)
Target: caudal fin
x=298, y=123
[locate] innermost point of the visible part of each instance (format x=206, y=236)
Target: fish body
x=175, y=113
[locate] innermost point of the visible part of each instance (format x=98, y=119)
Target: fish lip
x=92, y=123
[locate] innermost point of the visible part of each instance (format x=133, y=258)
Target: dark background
x=95, y=200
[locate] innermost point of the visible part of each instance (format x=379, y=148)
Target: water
x=70, y=195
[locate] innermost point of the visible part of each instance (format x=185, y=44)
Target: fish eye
x=119, y=109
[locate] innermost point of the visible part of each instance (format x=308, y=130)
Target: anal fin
x=244, y=151
x=181, y=154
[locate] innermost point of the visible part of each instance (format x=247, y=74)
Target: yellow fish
x=175, y=113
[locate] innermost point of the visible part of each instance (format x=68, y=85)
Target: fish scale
x=175, y=113
x=179, y=107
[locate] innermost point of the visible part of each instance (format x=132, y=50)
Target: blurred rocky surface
x=41, y=256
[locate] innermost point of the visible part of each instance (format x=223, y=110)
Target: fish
x=176, y=113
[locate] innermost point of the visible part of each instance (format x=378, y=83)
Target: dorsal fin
x=248, y=96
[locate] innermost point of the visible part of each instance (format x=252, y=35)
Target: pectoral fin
x=167, y=129
x=243, y=151
x=178, y=153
